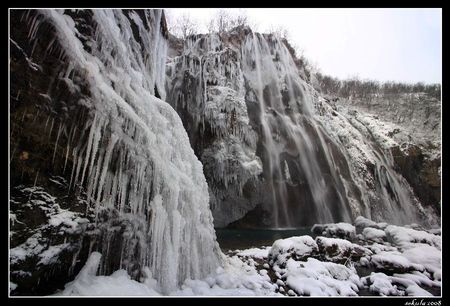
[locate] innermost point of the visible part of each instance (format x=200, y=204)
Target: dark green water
x=232, y=239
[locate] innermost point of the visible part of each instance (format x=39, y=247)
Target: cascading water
x=285, y=108
x=308, y=173
x=132, y=156
x=398, y=198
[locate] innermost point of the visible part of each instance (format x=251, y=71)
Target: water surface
x=232, y=239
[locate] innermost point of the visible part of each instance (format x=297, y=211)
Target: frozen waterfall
x=132, y=156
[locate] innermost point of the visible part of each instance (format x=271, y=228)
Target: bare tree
x=185, y=26
x=226, y=20
x=279, y=31
x=239, y=20
x=220, y=22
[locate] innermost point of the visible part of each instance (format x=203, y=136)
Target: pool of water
x=232, y=239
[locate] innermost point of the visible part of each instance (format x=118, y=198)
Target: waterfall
x=286, y=108
x=314, y=162
x=132, y=156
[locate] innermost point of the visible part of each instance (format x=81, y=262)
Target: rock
x=421, y=172
x=297, y=248
x=337, y=230
x=374, y=234
x=340, y=250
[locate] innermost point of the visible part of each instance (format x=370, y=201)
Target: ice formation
x=133, y=155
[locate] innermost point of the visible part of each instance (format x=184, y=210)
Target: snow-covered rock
x=316, y=278
x=340, y=250
x=335, y=230
x=298, y=248
x=373, y=234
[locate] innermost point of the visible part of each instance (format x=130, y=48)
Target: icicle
x=51, y=128
x=153, y=159
x=67, y=156
x=56, y=143
x=89, y=146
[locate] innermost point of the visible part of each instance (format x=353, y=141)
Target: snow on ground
x=317, y=278
x=255, y=252
x=236, y=278
x=408, y=265
x=117, y=284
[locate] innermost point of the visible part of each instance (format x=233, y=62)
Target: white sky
x=381, y=44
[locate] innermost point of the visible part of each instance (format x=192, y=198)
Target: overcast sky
x=382, y=44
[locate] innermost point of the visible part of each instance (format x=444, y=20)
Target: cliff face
x=416, y=129
x=276, y=152
x=98, y=161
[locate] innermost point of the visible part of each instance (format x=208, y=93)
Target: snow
x=51, y=254
x=341, y=230
x=366, y=145
x=300, y=269
x=403, y=236
x=395, y=261
x=297, y=247
x=30, y=247
x=316, y=278
x=388, y=285
x=374, y=234
x=427, y=256
x=381, y=284
x=65, y=218
x=338, y=249
x=137, y=159
x=117, y=284
x=255, y=252
x=362, y=222
x=12, y=286
x=237, y=278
